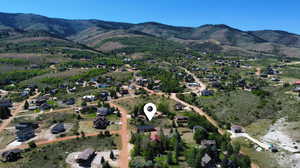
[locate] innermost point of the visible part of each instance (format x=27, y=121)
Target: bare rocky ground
x=278, y=135
x=71, y=159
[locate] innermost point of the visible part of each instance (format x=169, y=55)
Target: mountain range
x=105, y=36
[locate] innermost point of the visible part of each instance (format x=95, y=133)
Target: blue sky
x=241, y=14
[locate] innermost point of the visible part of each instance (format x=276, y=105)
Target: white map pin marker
x=150, y=110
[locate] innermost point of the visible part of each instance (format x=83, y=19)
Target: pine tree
x=198, y=160
x=82, y=134
x=106, y=165
x=169, y=158
x=102, y=160
x=83, y=104
x=177, y=150
x=26, y=105
x=4, y=112
x=111, y=155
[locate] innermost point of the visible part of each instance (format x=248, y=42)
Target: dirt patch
x=137, y=55
x=109, y=46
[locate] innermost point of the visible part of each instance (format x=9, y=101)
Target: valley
x=73, y=92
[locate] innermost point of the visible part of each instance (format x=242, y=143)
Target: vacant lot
x=243, y=107
x=54, y=155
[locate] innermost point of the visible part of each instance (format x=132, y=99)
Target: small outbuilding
x=58, y=128
x=236, y=129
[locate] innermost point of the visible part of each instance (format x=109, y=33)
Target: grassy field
x=262, y=159
x=243, y=107
x=121, y=76
x=54, y=155
x=129, y=104
x=259, y=127
x=6, y=137
x=290, y=73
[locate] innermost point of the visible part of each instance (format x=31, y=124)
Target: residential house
x=6, y=103
x=86, y=157
x=193, y=84
x=179, y=106
x=25, y=131
x=70, y=101
x=124, y=90
x=207, y=161
x=297, y=89
x=103, y=85
x=58, y=128
x=41, y=100
x=154, y=136
x=208, y=143
x=101, y=122
x=103, y=111
x=263, y=75
x=32, y=108
x=142, y=82
x=45, y=106
x=236, y=129
x=34, y=66
x=216, y=84
x=53, y=91
x=89, y=98
x=73, y=89
x=207, y=92
x=189, y=78
x=25, y=93
x=145, y=128
x=297, y=83
x=104, y=95
x=181, y=119
x=275, y=79
x=197, y=127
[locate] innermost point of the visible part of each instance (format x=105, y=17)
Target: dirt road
x=202, y=85
x=124, y=153
x=293, y=63
x=19, y=107
x=200, y=112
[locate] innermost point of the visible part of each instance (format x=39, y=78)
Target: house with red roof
x=297, y=82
